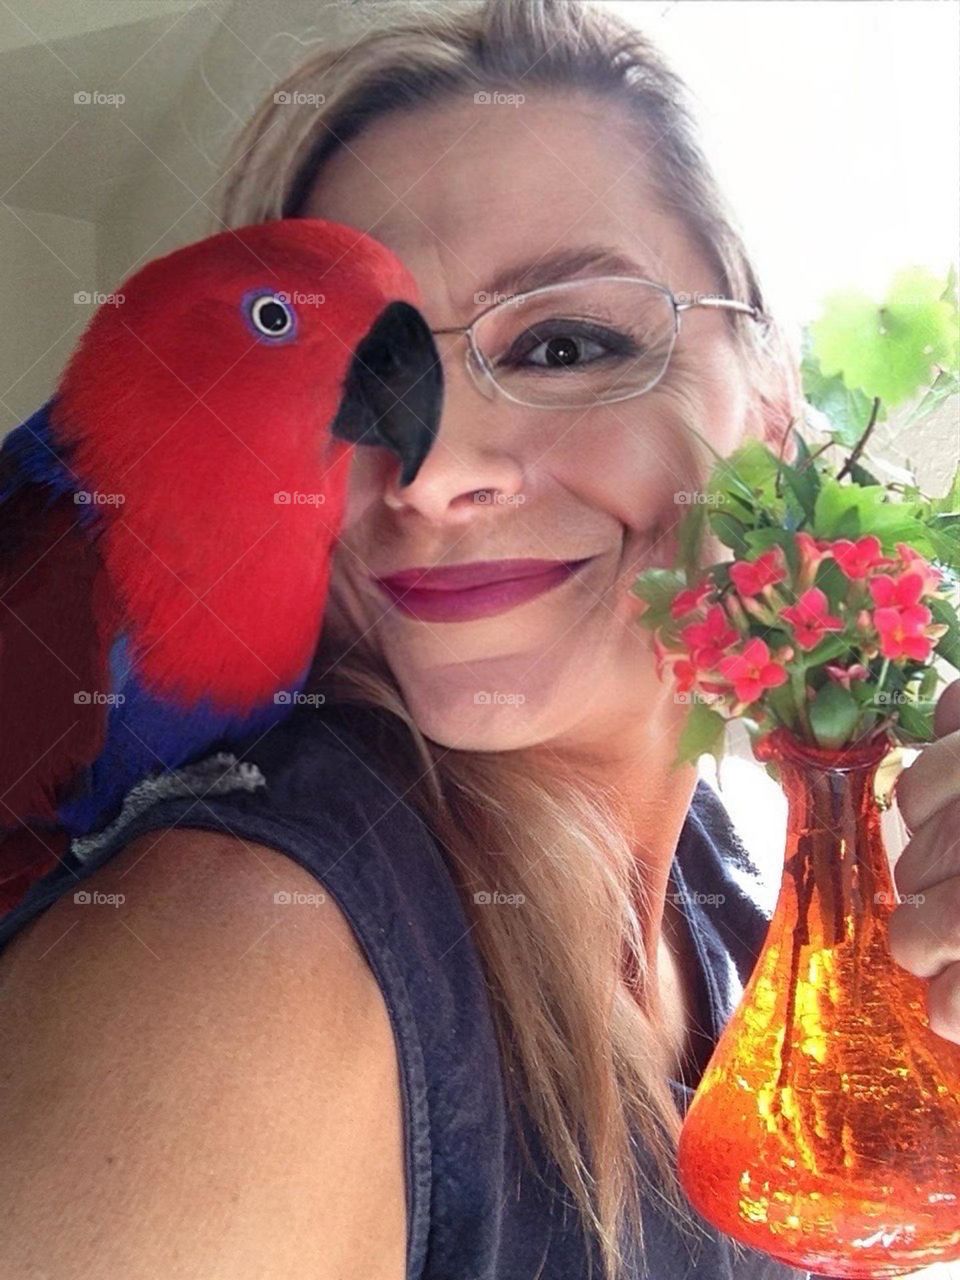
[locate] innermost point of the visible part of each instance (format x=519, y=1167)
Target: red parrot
x=168, y=517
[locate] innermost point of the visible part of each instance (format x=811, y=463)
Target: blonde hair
x=567, y=971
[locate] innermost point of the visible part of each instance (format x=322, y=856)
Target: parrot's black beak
x=393, y=391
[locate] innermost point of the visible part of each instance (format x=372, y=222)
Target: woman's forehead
x=463, y=192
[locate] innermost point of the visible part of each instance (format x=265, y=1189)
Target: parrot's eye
x=271, y=315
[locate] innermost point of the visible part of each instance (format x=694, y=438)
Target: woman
x=465, y=1058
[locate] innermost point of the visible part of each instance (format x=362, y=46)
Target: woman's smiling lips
x=477, y=589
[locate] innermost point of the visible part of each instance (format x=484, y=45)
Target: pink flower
x=752, y=671
x=810, y=620
x=897, y=593
x=843, y=675
x=687, y=601
x=707, y=640
x=751, y=576
x=901, y=631
x=914, y=562
x=857, y=559
x=685, y=675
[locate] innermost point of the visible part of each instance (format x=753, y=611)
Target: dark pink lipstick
x=477, y=589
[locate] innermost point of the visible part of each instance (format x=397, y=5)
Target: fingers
x=932, y=780
x=943, y=1003
x=946, y=714
x=933, y=853
x=924, y=935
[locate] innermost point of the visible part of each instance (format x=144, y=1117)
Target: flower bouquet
x=826, y=1128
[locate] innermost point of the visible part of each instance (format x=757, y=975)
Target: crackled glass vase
x=825, y=1130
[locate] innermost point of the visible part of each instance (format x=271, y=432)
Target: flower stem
x=798, y=684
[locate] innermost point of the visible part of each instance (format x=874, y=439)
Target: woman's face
x=461, y=193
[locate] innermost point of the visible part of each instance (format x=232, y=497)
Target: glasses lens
x=579, y=343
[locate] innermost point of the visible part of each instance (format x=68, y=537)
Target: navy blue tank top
x=313, y=789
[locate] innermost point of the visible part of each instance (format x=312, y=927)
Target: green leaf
x=730, y=532
x=760, y=540
x=834, y=713
x=928, y=683
x=915, y=720
x=747, y=476
x=690, y=539
x=948, y=646
x=949, y=504
x=846, y=408
x=832, y=646
x=852, y=510
x=887, y=349
x=702, y=734
x=657, y=587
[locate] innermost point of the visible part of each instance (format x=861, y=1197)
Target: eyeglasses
x=579, y=343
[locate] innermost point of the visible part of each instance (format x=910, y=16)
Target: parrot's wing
x=58, y=616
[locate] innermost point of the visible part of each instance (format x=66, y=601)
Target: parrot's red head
x=286, y=335
x=215, y=402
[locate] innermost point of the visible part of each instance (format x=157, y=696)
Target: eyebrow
x=561, y=265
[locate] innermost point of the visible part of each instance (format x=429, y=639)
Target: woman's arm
x=199, y=1081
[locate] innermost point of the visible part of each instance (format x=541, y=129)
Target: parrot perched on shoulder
x=168, y=517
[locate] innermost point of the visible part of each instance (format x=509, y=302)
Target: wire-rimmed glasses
x=581, y=342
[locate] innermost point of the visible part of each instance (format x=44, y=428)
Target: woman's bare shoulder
x=199, y=1077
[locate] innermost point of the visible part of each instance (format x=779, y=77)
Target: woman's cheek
x=633, y=464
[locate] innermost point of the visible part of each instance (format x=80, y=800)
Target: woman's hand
x=924, y=930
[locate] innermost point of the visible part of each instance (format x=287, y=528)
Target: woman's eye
x=566, y=348
x=271, y=315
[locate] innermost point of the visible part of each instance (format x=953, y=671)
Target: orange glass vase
x=825, y=1130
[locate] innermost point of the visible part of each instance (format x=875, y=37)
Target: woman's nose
x=475, y=461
